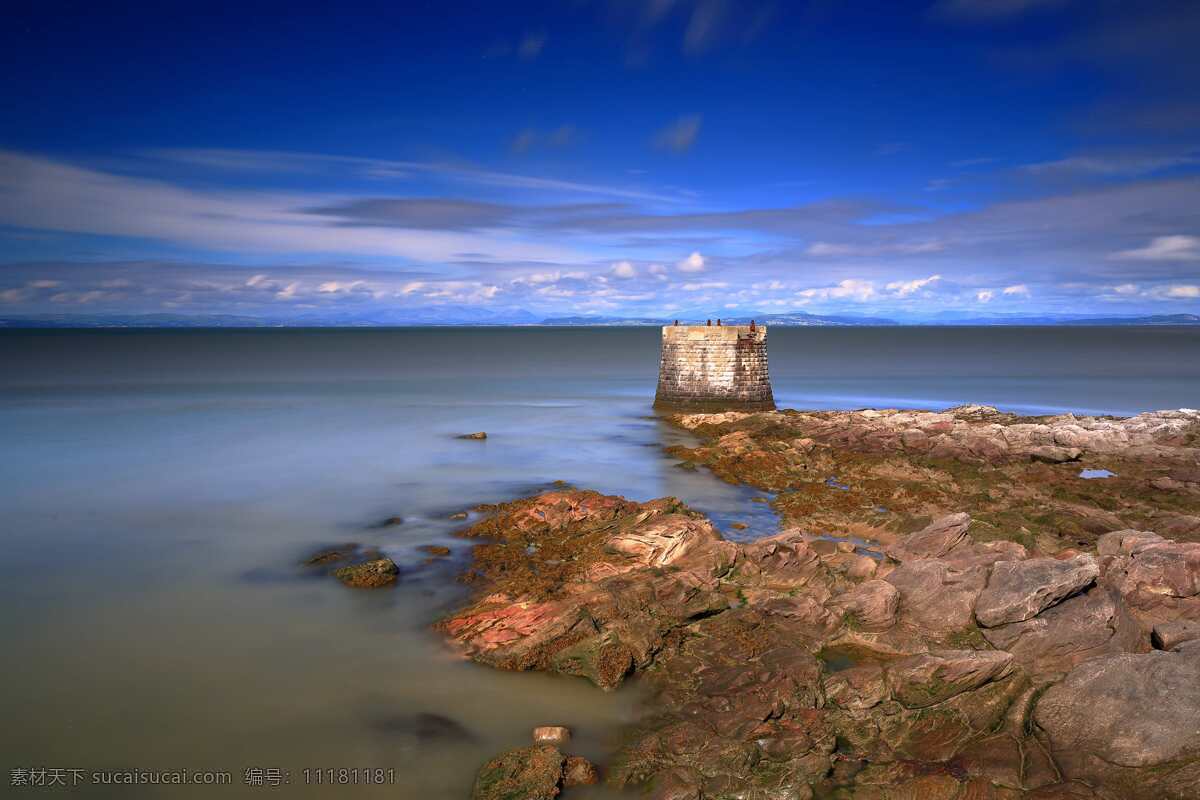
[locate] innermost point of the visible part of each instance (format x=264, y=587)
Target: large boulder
x=1020, y=590
x=936, y=599
x=1094, y=623
x=1160, y=579
x=1128, y=724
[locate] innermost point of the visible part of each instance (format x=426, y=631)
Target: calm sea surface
x=157, y=489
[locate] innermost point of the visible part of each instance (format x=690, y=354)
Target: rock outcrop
x=942, y=653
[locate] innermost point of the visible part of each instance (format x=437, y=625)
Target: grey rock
x=935, y=540
x=1054, y=454
x=935, y=598
x=1020, y=590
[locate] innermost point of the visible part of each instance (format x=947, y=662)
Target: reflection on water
x=159, y=490
x=1093, y=474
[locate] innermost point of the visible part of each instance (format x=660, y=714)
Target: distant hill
x=469, y=316
x=134, y=321
x=766, y=319
x=1156, y=319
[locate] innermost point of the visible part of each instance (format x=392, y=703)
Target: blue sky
x=618, y=158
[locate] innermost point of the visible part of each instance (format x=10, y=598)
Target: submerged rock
x=369, y=574
x=333, y=554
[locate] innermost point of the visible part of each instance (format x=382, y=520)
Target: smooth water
x=159, y=487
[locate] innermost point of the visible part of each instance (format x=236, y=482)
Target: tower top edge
x=712, y=331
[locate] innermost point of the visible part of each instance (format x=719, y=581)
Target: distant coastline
x=159, y=321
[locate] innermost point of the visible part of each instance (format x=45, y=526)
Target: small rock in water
x=478, y=435
x=458, y=515
x=551, y=734
x=738, y=526
x=578, y=771
x=435, y=550
x=369, y=574
x=392, y=521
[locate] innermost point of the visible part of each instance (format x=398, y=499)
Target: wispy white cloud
x=42, y=194
x=1111, y=165
x=1165, y=248
x=821, y=249
x=693, y=263
x=384, y=169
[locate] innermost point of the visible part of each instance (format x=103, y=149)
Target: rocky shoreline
x=951, y=612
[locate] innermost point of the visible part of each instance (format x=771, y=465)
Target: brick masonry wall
x=712, y=368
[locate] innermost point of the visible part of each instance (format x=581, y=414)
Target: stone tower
x=714, y=368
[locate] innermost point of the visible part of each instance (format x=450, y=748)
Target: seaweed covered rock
x=779, y=668
x=528, y=773
x=369, y=574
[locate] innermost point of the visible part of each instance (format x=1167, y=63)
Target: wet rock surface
x=951, y=656
x=1017, y=477
x=528, y=773
x=371, y=574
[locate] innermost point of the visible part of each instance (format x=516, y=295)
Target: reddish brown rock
x=872, y=604
x=1095, y=623
x=1128, y=725
x=936, y=598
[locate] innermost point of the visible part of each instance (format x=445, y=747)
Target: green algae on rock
x=369, y=574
